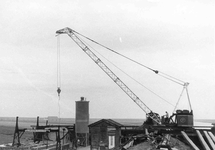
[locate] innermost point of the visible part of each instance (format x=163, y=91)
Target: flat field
x=7, y=132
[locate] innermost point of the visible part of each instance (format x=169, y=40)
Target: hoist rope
x=59, y=109
x=58, y=63
x=127, y=74
x=155, y=71
x=180, y=82
x=58, y=76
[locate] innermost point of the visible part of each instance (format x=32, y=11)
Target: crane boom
x=122, y=85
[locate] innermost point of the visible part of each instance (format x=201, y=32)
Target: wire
x=128, y=74
x=59, y=109
x=188, y=96
x=166, y=76
x=58, y=63
x=175, y=80
x=163, y=75
x=172, y=78
x=179, y=98
x=58, y=75
x=155, y=71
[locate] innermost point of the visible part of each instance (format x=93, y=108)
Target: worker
x=166, y=117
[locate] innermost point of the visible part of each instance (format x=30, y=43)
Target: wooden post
x=16, y=134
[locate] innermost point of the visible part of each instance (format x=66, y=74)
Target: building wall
x=116, y=133
x=101, y=134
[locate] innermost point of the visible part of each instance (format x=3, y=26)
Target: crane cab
x=184, y=118
x=181, y=118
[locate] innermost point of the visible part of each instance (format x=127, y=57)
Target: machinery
x=182, y=118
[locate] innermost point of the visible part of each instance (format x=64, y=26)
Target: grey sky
x=175, y=37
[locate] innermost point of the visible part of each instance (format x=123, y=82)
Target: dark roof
x=108, y=121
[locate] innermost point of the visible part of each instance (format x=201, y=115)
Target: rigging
x=171, y=78
x=162, y=74
x=149, y=113
x=129, y=75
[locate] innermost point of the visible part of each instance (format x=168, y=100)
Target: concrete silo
x=82, y=122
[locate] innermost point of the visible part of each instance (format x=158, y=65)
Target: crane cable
x=58, y=75
x=155, y=71
x=179, y=99
x=188, y=97
x=129, y=75
x=166, y=76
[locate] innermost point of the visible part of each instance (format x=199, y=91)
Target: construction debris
x=165, y=142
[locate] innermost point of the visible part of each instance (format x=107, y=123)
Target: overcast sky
x=174, y=37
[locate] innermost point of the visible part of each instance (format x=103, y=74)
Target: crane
x=149, y=113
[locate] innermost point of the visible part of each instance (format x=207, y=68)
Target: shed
x=105, y=134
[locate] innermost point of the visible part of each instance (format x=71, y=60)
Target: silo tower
x=82, y=122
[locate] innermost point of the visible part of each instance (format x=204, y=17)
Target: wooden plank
x=212, y=136
x=204, y=144
x=209, y=140
x=189, y=141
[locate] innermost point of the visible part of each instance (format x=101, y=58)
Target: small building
x=105, y=134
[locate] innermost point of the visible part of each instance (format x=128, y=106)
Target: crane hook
x=58, y=91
